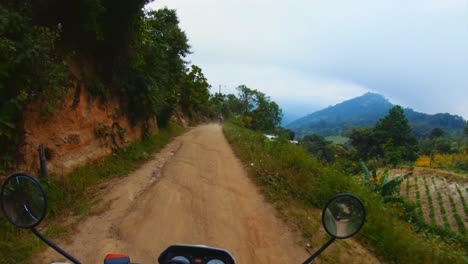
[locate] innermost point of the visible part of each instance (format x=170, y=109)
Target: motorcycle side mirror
x=342, y=217
x=24, y=203
x=23, y=200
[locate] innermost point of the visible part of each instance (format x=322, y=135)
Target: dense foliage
x=381, y=183
x=251, y=108
x=320, y=148
x=121, y=51
x=391, y=138
x=149, y=82
x=29, y=70
x=396, y=136
x=194, y=94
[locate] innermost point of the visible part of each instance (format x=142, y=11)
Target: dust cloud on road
x=194, y=192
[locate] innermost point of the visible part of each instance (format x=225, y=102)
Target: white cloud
x=282, y=84
x=413, y=52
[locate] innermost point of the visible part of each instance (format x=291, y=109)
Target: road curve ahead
x=202, y=195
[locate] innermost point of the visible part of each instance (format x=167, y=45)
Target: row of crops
x=438, y=201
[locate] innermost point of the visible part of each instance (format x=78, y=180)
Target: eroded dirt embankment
x=82, y=130
x=196, y=192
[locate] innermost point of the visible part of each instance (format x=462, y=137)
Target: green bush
x=123, y=52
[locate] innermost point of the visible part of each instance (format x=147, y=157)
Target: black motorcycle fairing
x=194, y=254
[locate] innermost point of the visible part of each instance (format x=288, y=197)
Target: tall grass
x=73, y=194
x=287, y=174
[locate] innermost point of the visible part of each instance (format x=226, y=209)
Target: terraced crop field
x=441, y=197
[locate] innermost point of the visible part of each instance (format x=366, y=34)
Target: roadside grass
x=73, y=196
x=291, y=178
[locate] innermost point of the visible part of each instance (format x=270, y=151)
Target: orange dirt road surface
x=194, y=192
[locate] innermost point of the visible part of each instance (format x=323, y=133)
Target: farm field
x=441, y=196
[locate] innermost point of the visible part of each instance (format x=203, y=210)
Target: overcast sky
x=309, y=54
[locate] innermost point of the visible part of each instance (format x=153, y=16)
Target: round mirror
x=343, y=216
x=23, y=200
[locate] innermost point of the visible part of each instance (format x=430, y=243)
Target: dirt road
x=195, y=192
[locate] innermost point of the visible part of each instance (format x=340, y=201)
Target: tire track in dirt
x=202, y=196
x=195, y=192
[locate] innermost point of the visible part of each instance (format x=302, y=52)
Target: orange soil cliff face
x=77, y=133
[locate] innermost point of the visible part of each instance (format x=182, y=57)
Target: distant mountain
x=293, y=110
x=365, y=111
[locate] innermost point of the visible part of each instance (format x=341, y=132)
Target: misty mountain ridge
x=365, y=111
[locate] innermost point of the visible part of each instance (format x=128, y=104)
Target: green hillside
x=365, y=111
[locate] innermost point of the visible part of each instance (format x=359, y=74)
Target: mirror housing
x=343, y=216
x=24, y=203
x=23, y=200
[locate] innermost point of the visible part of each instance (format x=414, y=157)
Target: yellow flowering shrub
x=423, y=161
x=443, y=160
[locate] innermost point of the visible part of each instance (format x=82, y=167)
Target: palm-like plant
x=383, y=184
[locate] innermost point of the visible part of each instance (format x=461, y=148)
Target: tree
x=260, y=112
x=157, y=67
x=436, y=132
x=285, y=132
x=426, y=146
x=267, y=115
x=443, y=145
x=396, y=136
x=194, y=93
x=366, y=143
x=248, y=98
x=234, y=105
x=391, y=138
x=319, y=147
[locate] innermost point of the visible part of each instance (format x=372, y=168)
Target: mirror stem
x=319, y=251
x=52, y=245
